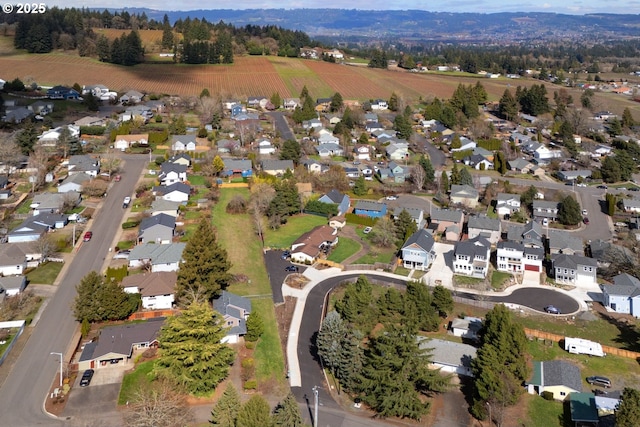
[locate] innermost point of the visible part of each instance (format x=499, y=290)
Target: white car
x=367, y=230
x=126, y=201
x=584, y=212
x=391, y=198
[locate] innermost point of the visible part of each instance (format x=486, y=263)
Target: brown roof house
x=117, y=344
x=157, y=290
x=310, y=245
x=449, y=222
x=124, y=142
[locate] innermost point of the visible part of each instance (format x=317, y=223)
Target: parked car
x=126, y=202
x=293, y=268
x=122, y=255
x=599, y=380
x=584, y=212
x=602, y=187
x=117, y=178
x=286, y=254
x=391, y=197
x=551, y=309
x=86, y=378
x=367, y=230
x=87, y=236
x=585, y=220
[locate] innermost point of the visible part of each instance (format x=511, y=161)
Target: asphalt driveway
x=277, y=273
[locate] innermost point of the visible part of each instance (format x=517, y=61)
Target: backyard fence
x=141, y=315
x=557, y=338
x=7, y=325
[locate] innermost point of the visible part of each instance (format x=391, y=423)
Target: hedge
x=361, y=220
x=129, y=224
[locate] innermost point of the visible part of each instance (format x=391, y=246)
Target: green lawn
x=402, y=271
x=45, y=274
x=345, y=248
x=289, y=232
x=498, y=278
x=465, y=280
x=25, y=206
x=140, y=377
x=196, y=179
x=384, y=255
x=235, y=234
x=543, y=413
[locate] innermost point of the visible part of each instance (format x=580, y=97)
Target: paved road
x=281, y=125
x=24, y=390
x=310, y=371
x=437, y=157
x=277, y=273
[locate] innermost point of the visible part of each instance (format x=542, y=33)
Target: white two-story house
x=574, y=269
x=507, y=204
x=471, y=257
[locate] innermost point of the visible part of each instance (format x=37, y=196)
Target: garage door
x=531, y=267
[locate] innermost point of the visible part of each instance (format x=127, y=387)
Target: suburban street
x=24, y=390
x=281, y=125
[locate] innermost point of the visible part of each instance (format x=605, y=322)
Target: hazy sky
x=579, y=7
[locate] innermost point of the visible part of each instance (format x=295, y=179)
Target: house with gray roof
x=449, y=222
x=514, y=257
x=631, y=205
x=13, y=260
x=394, y=172
x=624, y=295
x=329, y=149
x=161, y=206
x=555, y=376
x=177, y=192
x=237, y=168
x=277, y=167
x=574, y=269
x=471, y=257
x=157, y=229
x=604, y=252
x=370, y=208
x=157, y=290
x=227, y=145
x=17, y=115
x=73, y=183
x=159, y=257
x=561, y=242
x=170, y=173
x=183, y=142
x=482, y=225
x=235, y=311
x=507, y=204
x=34, y=227
x=574, y=175
x=117, y=344
x=464, y=195
x=417, y=215
x=12, y=285
x=478, y=162
x=448, y=356
x=398, y=150
x=337, y=198
x=545, y=209
x=180, y=159
x=417, y=251
x=520, y=165
x=530, y=234
x=53, y=202
x=83, y=163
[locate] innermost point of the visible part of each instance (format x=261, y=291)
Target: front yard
x=45, y=274
x=344, y=249
x=296, y=225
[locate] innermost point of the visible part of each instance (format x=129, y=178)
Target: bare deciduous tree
x=261, y=196
x=417, y=176
x=10, y=154
x=38, y=162
x=45, y=246
x=157, y=406
x=94, y=187
x=209, y=108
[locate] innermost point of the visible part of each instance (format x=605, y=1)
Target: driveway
x=440, y=271
x=86, y=402
x=280, y=122
x=277, y=273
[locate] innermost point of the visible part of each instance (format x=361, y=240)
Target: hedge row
x=361, y=220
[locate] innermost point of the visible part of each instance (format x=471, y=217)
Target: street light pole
x=59, y=354
x=315, y=411
x=490, y=420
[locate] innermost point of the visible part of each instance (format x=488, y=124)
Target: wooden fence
x=557, y=338
x=141, y=315
x=330, y=263
x=234, y=185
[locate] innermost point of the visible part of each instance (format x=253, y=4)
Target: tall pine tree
x=225, y=411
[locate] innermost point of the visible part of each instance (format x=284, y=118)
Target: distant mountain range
x=337, y=23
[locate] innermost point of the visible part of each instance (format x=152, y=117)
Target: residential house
x=370, y=117
x=326, y=137
x=363, y=152
x=312, y=124
x=417, y=251
x=124, y=142
x=370, y=209
x=351, y=172
x=180, y=159
x=136, y=113
x=417, y=215
x=382, y=135
x=375, y=126
x=482, y=225
x=237, y=168
x=449, y=222
x=448, y=356
x=334, y=53
x=544, y=154
x=631, y=205
x=131, y=97
x=227, y=145
x=157, y=290
x=62, y=92
x=13, y=260
x=227, y=104
x=183, y=143
x=99, y=91
x=394, y=172
x=323, y=104
x=329, y=149
x=379, y=104
x=561, y=242
x=507, y=204
x=605, y=252
x=530, y=234
x=585, y=408
x=559, y=377
x=520, y=165
x=170, y=173
x=277, y=167
x=73, y=183
x=265, y=147
x=166, y=207
x=543, y=209
x=291, y=103
x=237, y=109
x=157, y=229
x=12, y=285
x=178, y=192
x=117, y=344
x=464, y=195
x=159, y=257
x=235, y=311
x=467, y=327
x=471, y=257
x=51, y=137
x=308, y=247
x=465, y=145
x=574, y=175
x=574, y=269
x=478, y=162
x=624, y=295
x=91, y=121
x=335, y=197
x=314, y=166
x=514, y=257
x=397, y=150
x=257, y=101
x=36, y=226
x=333, y=119
x=83, y=163
x=16, y=115
x=156, y=105
x=41, y=107
x=46, y=203
x=604, y=115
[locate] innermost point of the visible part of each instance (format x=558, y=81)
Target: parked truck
x=580, y=346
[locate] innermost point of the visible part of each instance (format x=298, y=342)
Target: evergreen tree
x=508, y=106
x=442, y=300
x=178, y=126
x=27, y=137
x=91, y=102
x=615, y=127
x=291, y=151
x=225, y=411
x=204, y=271
x=360, y=186
x=357, y=306
x=465, y=177
x=167, y=34
x=287, y=413
x=569, y=211
x=445, y=182
x=526, y=198
x=99, y=301
x=276, y=100
x=402, y=126
x=304, y=93
x=627, y=118
x=103, y=48
x=191, y=353
x=418, y=294
x=393, y=102
x=610, y=203
x=255, y=327
x=455, y=175
x=286, y=201
x=429, y=173
x=500, y=163
x=628, y=408
x=254, y=413
x=336, y=102
x=405, y=225
x=501, y=364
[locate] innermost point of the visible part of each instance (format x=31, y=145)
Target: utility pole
x=315, y=410
x=59, y=354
